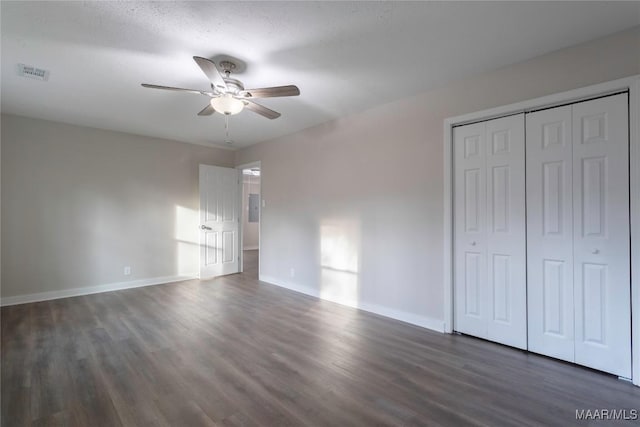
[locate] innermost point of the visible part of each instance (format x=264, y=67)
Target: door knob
x=204, y=227
x=473, y=243
x=595, y=251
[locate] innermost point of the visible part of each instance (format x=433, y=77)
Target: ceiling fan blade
x=209, y=68
x=179, y=89
x=271, y=92
x=261, y=109
x=207, y=111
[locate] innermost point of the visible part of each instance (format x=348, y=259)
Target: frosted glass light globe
x=227, y=104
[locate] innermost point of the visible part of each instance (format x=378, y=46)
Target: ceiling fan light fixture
x=227, y=104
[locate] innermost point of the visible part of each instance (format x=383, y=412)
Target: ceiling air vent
x=33, y=72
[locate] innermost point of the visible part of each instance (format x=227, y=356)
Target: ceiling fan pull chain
x=226, y=126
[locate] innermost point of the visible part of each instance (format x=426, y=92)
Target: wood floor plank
x=234, y=351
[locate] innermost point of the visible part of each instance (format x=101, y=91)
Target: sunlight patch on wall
x=187, y=244
x=339, y=260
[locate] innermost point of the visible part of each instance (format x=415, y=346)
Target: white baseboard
x=414, y=319
x=65, y=293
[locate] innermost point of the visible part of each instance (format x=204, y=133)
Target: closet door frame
x=628, y=84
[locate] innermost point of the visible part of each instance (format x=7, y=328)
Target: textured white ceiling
x=344, y=56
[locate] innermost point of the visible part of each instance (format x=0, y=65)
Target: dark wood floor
x=233, y=351
x=250, y=264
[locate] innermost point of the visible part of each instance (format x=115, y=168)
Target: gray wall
x=365, y=226
x=78, y=204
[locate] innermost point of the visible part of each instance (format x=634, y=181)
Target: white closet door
x=490, y=279
x=505, y=232
x=470, y=235
x=601, y=234
x=550, y=233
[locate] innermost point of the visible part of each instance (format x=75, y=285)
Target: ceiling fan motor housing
x=233, y=85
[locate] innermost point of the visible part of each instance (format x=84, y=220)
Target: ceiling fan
x=228, y=95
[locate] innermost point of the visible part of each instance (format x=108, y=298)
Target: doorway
x=251, y=216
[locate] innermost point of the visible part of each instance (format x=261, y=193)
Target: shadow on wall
x=187, y=241
x=339, y=261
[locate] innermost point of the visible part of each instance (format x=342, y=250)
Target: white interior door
x=505, y=232
x=550, y=233
x=601, y=234
x=219, y=221
x=470, y=244
x=489, y=275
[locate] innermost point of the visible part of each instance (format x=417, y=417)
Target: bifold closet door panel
x=550, y=233
x=601, y=234
x=470, y=251
x=578, y=248
x=489, y=227
x=505, y=232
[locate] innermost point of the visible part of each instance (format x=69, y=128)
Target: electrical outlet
x=127, y=270
x=292, y=272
